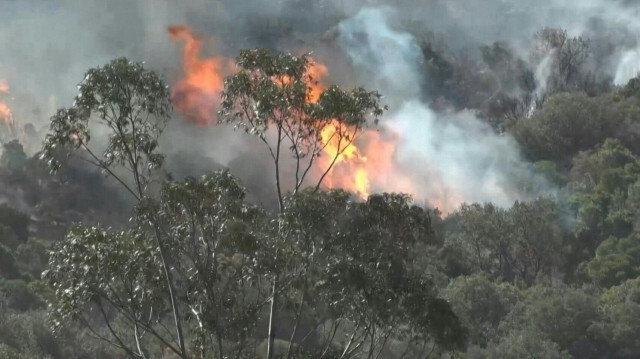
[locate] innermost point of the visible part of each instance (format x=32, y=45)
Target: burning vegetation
x=353, y=158
x=7, y=125
x=197, y=94
x=490, y=211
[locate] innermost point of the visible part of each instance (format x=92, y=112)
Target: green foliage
x=14, y=220
x=97, y=270
x=273, y=90
x=8, y=266
x=516, y=244
x=13, y=156
x=481, y=305
x=616, y=260
x=566, y=124
x=8, y=237
x=589, y=168
x=28, y=336
x=521, y=344
x=621, y=318
x=132, y=102
x=357, y=263
x=550, y=171
x=32, y=257
x=223, y=245
x=561, y=314
x=605, y=197
x=631, y=89
x=351, y=277
x=350, y=267
x=20, y=296
x=9, y=352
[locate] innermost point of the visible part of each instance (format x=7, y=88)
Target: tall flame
x=6, y=117
x=197, y=94
x=363, y=164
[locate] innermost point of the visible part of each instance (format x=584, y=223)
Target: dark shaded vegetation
x=200, y=271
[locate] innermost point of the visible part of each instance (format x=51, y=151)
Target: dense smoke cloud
x=453, y=157
x=46, y=46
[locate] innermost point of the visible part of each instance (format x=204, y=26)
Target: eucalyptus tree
x=132, y=103
x=196, y=254
x=355, y=275
x=222, y=244
x=271, y=95
x=275, y=97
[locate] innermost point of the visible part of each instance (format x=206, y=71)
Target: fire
x=364, y=163
x=368, y=163
x=197, y=94
x=338, y=151
x=316, y=72
x=349, y=169
x=6, y=117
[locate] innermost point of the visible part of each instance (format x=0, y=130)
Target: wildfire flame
x=6, y=117
x=364, y=164
x=197, y=94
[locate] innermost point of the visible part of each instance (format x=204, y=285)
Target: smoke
x=453, y=157
x=47, y=45
x=543, y=74
x=628, y=68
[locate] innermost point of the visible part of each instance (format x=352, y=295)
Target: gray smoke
x=453, y=157
x=47, y=45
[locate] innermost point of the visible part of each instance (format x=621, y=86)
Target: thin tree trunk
x=277, y=163
x=220, y=350
x=137, y=336
x=172, y=295
x=295, y=327
x=272, y=310
x=272, y=334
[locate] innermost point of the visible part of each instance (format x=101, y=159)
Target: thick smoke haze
x=453, y=157
x=46, y=46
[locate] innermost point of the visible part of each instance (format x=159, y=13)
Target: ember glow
x=348, y=166
x=6, y=117
x=197, y=94
x=362, y=162
x=365, y=164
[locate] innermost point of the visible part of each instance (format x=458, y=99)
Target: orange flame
x=6, y=117
x=343, y=155
x=316, y=72
x=363, y=165
x=197, y=94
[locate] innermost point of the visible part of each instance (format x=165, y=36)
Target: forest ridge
x=114, y=243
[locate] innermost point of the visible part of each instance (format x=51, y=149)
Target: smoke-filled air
x=326, y=179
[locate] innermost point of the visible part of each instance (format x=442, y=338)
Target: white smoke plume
x=452, y=157
x=47, y=45
x=628, y=68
